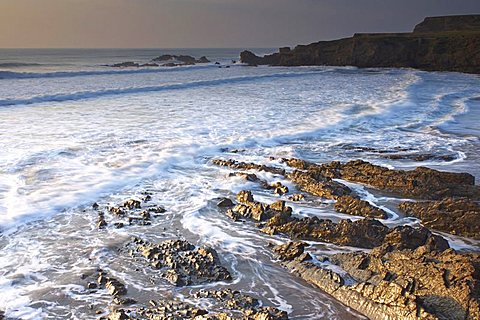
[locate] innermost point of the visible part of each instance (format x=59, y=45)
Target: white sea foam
x=71, y=137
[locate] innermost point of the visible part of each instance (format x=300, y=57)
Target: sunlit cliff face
x=206, y=23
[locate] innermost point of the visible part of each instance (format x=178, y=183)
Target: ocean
x=74, y=131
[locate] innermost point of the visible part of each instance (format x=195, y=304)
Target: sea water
x=74, y=131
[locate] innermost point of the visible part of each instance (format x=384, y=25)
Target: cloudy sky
x=207, y=23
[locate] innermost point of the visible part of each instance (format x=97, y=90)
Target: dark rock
x=455, y=216
x=247, y=166
x=165, y=57
x=181, y=263
x=127, y=64
x=101, y=222
x=357, y=207
x=91, y=285
x=247, y=176
x=225, y=203
x=453, y=46
x=95, y=206
x=202, y=60
x=449, y=23
x=151, y=64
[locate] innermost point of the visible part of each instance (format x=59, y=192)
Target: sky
x=207, y=23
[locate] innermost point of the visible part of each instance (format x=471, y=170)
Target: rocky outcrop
x=357, y=207
x=455, y=50
x=180, y=262
x=184, y=59
x=399, y=284
x=364, y=233
x=318, y=184
x=126, y=64
x=455, y=216
x=420, y=183
x=247, y=166
x=235, y=304
x=449, y=24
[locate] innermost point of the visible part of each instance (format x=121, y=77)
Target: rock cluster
x=456, y=216
x=130, y=212
x=175, y=60
x=251, y=209
x=395, y=284
x=240, y=306
x=180, y=262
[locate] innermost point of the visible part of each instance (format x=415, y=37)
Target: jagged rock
x=115, y=287
x=180, y=262
x=408, y=284
x=247, y=166
x=245, y=197
x=117, y=211
x=279, y=188
x=455, y=216
x=421, y=183
x=318, y=184
x=132, y=204
x=247, y=176
x=357, y=207
x=250, y=209
x=365, y=233
x=95, y=206
x=291, y=251
x=296, y=197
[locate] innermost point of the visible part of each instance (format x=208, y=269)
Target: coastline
x=105, y=259
x=449, y=43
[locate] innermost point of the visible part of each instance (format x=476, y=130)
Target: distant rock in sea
x=449, y=43
x=168, y=60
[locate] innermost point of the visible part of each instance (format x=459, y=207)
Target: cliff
x=437, y=44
